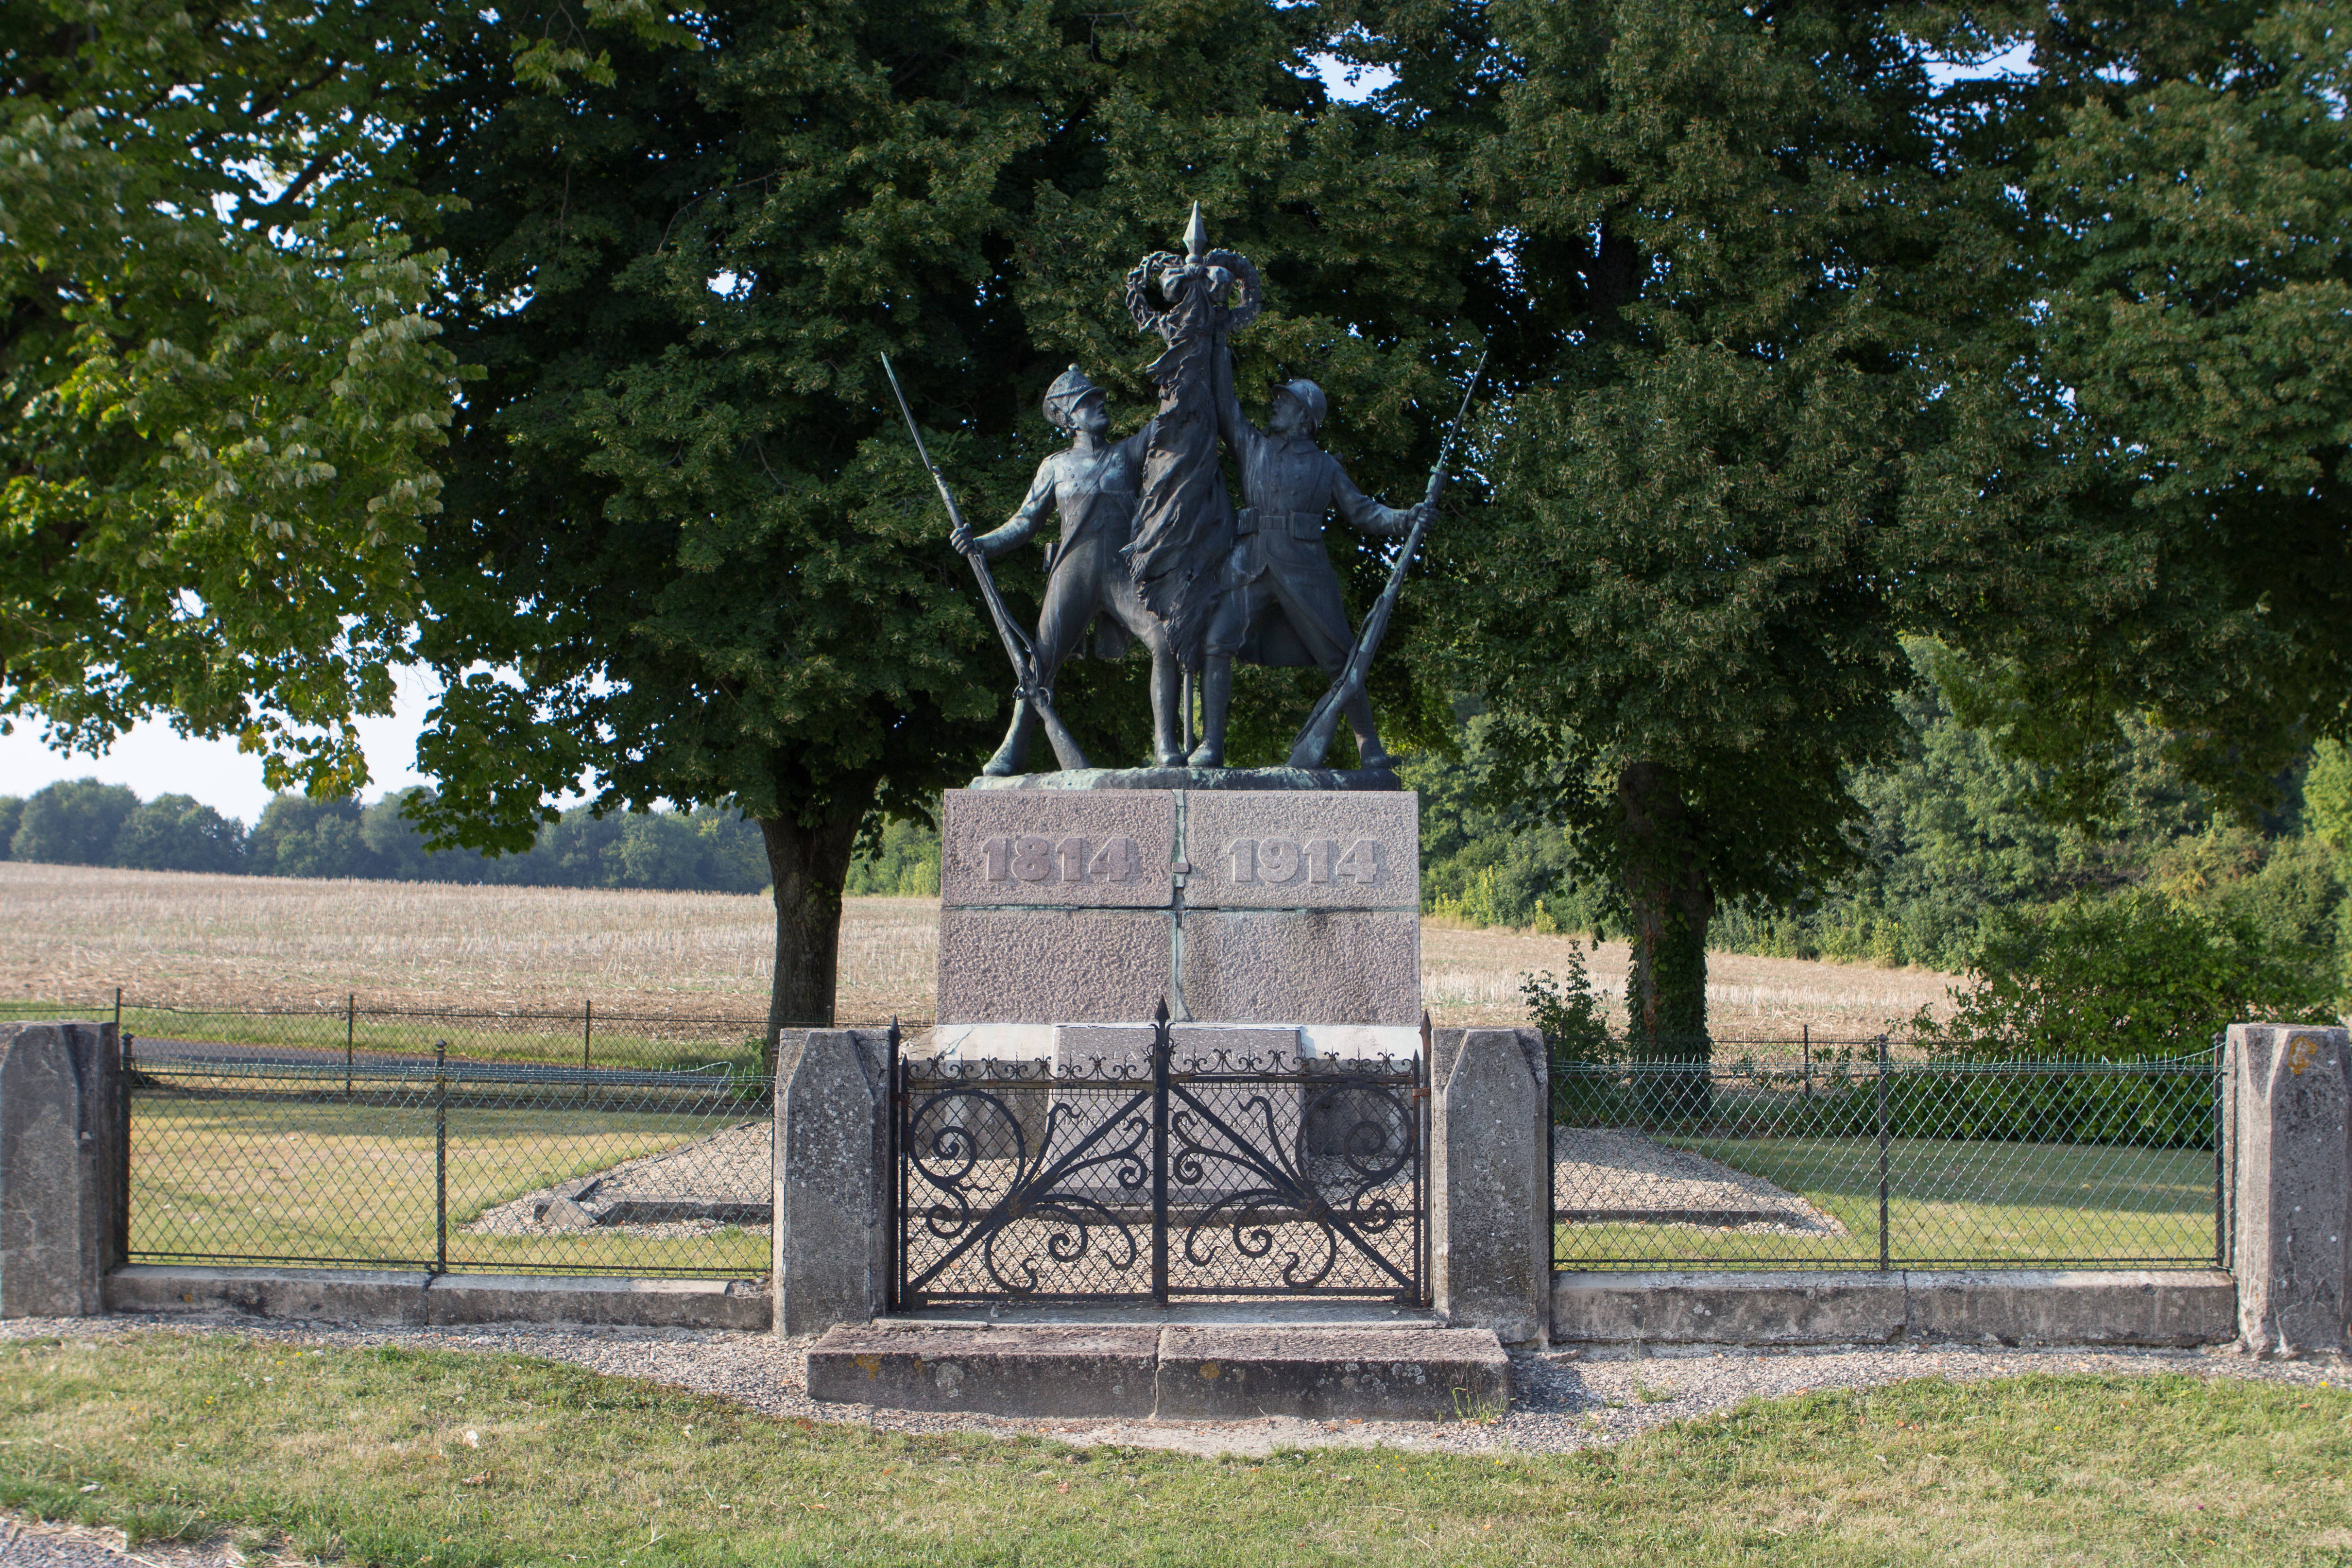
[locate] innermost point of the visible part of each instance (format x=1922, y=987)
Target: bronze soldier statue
x=1095, y=484
x=1281, y=601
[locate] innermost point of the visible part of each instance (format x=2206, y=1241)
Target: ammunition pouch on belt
x=1306, y=525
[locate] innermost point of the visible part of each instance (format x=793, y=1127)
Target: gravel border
x=1564, y=1400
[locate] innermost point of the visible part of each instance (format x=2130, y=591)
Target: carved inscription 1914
x=1280, y=860
x=1034, y=858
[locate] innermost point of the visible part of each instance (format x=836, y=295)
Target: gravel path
x=29, y=1543
x=1603, y=1175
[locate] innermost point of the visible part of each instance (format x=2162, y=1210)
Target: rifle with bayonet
x=1016, y=647
x=1314, y=742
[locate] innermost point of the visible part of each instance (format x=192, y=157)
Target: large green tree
x=2174, y=475
x=1735, y=266
x=218, y=389
x=687, y=553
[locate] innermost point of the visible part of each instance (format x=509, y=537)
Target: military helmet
x=1310, y=398
x=1062, y=399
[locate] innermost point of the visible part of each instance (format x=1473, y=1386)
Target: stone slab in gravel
x=1602, y=1174
x=727, y=1176
x=1562, y=1401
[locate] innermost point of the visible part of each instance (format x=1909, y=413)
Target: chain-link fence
x=449, y=1140
x=1873, y=1154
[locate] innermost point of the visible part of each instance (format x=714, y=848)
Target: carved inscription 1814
x=1034, y=858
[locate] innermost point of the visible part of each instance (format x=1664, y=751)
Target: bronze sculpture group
x=1152, y=549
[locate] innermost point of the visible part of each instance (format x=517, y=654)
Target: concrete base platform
x=415, y=1300
x=1199, y=1373
x=1324, y=1374
x=2005, y=1306
x=1004, y=1371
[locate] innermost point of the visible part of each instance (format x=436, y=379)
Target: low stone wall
x=413, y=1298
x=1978, y=1306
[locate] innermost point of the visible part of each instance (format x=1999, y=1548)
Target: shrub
x=1583, y=1054
x=2125, y=978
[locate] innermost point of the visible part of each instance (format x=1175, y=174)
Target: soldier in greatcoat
x=1281, y=603
x=1095, y=484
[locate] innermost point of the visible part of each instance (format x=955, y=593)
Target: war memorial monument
x=1181, y=1065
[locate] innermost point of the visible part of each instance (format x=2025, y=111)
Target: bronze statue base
x=1198, y=778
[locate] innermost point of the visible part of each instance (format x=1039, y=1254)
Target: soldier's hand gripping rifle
x=1017, y=646
x=1314, y=742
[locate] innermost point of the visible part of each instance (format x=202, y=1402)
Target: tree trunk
x=1672, y=902
x=810, y=867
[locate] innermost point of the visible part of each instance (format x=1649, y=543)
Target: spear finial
x=1196, y=235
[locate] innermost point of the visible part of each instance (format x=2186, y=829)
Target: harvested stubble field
x=72, y=934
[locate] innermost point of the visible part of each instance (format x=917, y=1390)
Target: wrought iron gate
x=1151, y=1177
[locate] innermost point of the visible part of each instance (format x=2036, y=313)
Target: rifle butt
x=1057, y=735
x=1314, y=742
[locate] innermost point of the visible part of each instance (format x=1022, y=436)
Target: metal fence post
x=892, y=1108
x=1162, y=1038
x=1426, y=1076
x=119, y=1221
x=1882, y=1153
x=440, y=1156
x=588, y=1030
x=1808, y=1060
x=2220, y=1143
x=351, y=1027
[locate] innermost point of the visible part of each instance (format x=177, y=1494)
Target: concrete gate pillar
x=62, y=1163
x=2291, y=1146
x=832, y=1176
x=1489, y=1187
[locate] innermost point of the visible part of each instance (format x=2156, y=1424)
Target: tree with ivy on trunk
x=1731, y=267
x=689, y=551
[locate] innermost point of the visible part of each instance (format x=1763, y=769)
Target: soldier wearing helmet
x=1095, y=484
x=1281, y=601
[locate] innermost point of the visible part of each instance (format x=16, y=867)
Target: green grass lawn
x=260, y=1179
x=362, y=1456
x=1947, y=1201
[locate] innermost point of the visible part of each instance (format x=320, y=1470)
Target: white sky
x=154, y=761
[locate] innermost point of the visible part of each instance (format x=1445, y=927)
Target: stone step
x=1190, y=1373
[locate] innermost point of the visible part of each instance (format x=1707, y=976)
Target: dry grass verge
x=72, y=934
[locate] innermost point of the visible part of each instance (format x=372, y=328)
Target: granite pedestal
x=1090, y=906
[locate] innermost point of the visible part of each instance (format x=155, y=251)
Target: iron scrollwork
x=1283, y=1176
